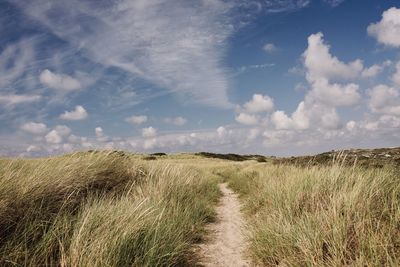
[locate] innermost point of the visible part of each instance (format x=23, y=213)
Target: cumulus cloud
x=318, y=109
x=387, y=31
x=324, y=96
x=100, y=136
x=178, y=121
x=321, y=64
x=351, y=125
x=33, y=148
x=53, y=137
x=330, y=119
x=221, y=131
x=139, y=119
x=259, y=103
x=333, y=94
x=57, y=135
x=149, y=132
x=299, y=120
x=63, y=130
x=396, y=75
x=34, y=128
x=384, y=100
x=246, y=119
x=99, y=132
x=78, y=114
x=270, y=48
x=59, y=81
x=372, y=71
x=281, y=120
x=300, y=117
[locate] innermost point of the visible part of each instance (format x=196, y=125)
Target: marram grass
x=116, y=209
x=102, y=209
x=320, y=216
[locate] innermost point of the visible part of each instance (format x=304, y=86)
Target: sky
x=272, y=77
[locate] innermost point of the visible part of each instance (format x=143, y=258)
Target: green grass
x=102, y=209
x=320, y=216
x=121, y=209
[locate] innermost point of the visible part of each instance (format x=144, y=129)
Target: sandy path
x=227, y=243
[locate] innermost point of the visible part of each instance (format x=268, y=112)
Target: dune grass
x=120, y=209
x=102, y=209
x=320, y=216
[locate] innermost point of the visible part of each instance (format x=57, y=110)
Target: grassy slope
x=117, y=209
x=320, y=216
x=103, y=209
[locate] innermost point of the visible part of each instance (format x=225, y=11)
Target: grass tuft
x=321, y=216
x=102, y=209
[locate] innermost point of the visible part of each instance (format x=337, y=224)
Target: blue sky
x=276, y=77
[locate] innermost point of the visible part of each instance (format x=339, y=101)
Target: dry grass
x=119, y=209
x=102, y=209
x=320, y=216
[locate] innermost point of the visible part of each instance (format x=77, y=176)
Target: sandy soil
x=227, y=245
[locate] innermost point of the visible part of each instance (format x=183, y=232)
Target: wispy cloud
x=169, y=43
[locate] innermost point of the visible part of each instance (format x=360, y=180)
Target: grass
x=120, y=209
x=320, y=216
x=102, y=209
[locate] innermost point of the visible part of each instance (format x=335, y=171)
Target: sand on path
x=227, y=244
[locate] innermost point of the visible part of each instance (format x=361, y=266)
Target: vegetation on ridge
x=114, y=208
x=102, y=209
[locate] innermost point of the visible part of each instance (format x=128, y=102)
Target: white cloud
x=246, y=119
x=246, y=68
x=351, y=125
x=13, y=99
x=59, y=81
x=281, y=120
x=387, y=31
x=62, y=130
x=270, y=48
x=371, y=71
x=136, y=119
x=321, y=64
x=300, y=117
x=259, y=103
x=15, y=59
x=53, y=137
x=333, y=94
x=299, y=120
x=33, y=148
x=34, y=128
x=150, y=143
x=274, y=6
x=100, y=136
x=99, y=132
x=221, y=131
x=396, y=75
x=334, y=3
x=178, y=121
x=318, y=110
x=330, y=119
x=78, y=114
x=149, y=132
x=384, y=100
x=170, y=43
x=58, y=134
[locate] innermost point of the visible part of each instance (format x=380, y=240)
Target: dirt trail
x=227, y=243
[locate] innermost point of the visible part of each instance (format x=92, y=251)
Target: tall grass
x=320, y=216
x=102, y=209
